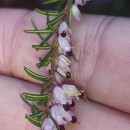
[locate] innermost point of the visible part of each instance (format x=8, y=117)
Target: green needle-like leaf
x=38, y=116
x=52, y=28
x=48, y=38
x=42, y=64
x=34, y=75
x=41, y=31
x=56, y=20
x=25, y=100
x=50, y=1
x=60, y=4
x=50, y=13
x=47, y=59
x=46, y=85
x=34, y=121
x=39, y=35
x=69, y=11
x=35, y=97
x=74, y=57
x=35, y=110
x=37, y=47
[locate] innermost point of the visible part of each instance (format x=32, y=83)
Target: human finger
x=102, y=50
x=90, y=115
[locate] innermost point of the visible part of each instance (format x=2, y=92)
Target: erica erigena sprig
x=57, y=98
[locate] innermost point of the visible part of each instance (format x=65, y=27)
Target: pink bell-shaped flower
x=59, y=95
x=48, y=124
x=60, y=115
x=64, y=30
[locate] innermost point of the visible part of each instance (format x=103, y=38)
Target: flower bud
x=76, y=12
x=59, y=95
x=71, y=91
x=48, y=124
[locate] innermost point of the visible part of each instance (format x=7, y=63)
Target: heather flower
x=76, y=12
x=64, y=71
x=71, y=91
x=48, y=124
x=63, y=61
x=60, y=115
x=64, y=31
x=59, y=95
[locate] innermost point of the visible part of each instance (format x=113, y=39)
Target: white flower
x=59, y=95
x=71, y=91
x=48, y=124
x=61, y=71
x=81, y=2
x=60, y=115
x=76, y=12
x=63, y=61
x=64, y=44
x=58, y=78
x=64, y=71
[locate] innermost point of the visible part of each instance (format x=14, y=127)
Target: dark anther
x=62, y=127
x=68, y=75
x=82, y=95
x=70, y=53
x=74, y=119
x=66, y=107
x=63, y=34
x=73, y=104
x=49, y=72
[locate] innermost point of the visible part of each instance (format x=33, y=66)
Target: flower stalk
x=56, y=98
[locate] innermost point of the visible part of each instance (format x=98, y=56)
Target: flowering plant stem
x=57, y=98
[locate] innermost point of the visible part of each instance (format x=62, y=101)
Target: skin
x=101, y=44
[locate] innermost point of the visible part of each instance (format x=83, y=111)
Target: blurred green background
x=109, y=7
